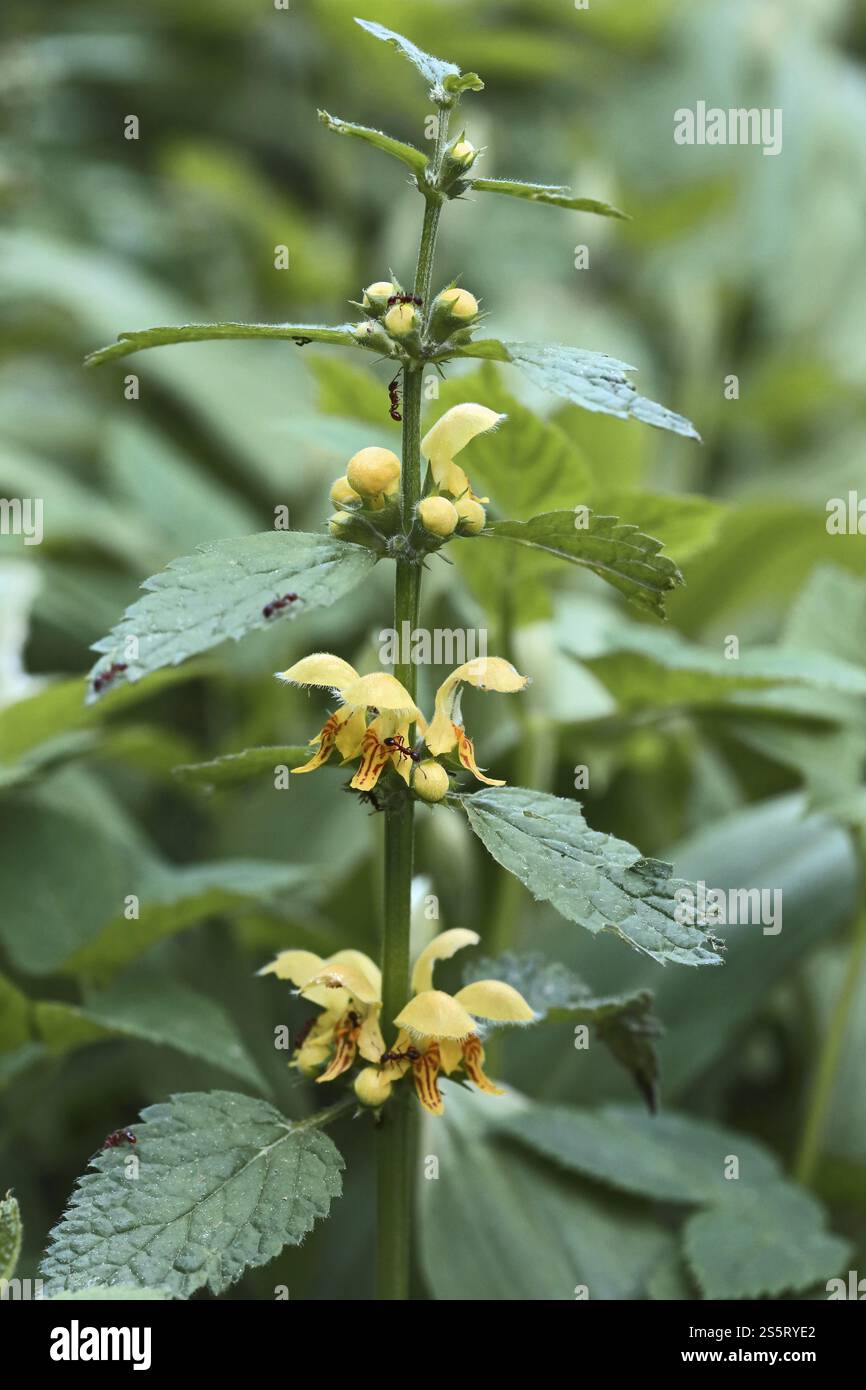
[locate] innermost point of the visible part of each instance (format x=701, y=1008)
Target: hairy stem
x=396, y=1135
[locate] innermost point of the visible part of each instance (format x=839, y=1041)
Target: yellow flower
x=451, y=433
x=348, y=987
x=384, y=739
x=446, y=730
x=438, y=1031
x=347, y=730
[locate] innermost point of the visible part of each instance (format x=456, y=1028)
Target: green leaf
x=554, y=194
x=54, y=722
x=501, y=1225
x=762, y=1241
x=152, y=1009
x=615, y=551
x=349, y=389
x=10, y=1236
x=591, y=380
x=224, y=1183
x=810, y=862
x=647, y=666
x=74, y=877
x=180, y=898
x=98, y=1293
x=671, y=1158
x=829, y=614
x=220, y=591
x=128, y=343
x=233, y=768
x=408, y=154
x=434, y=70
x=602, y=883
x=684, y=523
x=625, y=1022
x=14, y=1016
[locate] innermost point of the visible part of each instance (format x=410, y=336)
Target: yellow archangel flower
x=446, y=731
x=439, y=1032
x=451, y=433
x=376, y=743
x=383, y=740
x=348, y=987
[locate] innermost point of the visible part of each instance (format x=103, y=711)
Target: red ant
x=399, y=746
x=107, y=676
x=120, y=1136
x=405, y=299
x=394, y=394
x=410, y=1055
x=301, y=342
x=274, y=607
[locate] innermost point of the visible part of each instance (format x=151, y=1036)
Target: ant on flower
x=410, y=1055
x=405, y=299
x=399, y=746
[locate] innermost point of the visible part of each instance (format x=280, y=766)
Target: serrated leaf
x=596, y=880
x=221, y=591
x=591, y=380
x=671, y=1158
x=556, y=195
x=98, y=1293
x=398, y=149
x=433, y=70
x=617, y=552
x=502, y=1225
x=685, y=523
x=127, y=343
x=10, y=1237
x=233, y=768
x=224, y=1183
x=762, y=1241
x=625, y=1022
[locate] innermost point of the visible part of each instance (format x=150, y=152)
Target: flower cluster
x=376, y=713
x=438, y=1032
x=367, y=494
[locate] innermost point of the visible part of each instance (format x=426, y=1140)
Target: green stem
x=831, y=1053
x=396, y=1135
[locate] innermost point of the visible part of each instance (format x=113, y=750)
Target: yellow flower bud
x=472, y=516
x=371, y=1087
x=438, y=516
x=460, y=304
x=339, y=523
x=343, y=494
x=464, y=150
x=378, y=293
x=401, y=320
x=430, y=781
x=372, y=471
